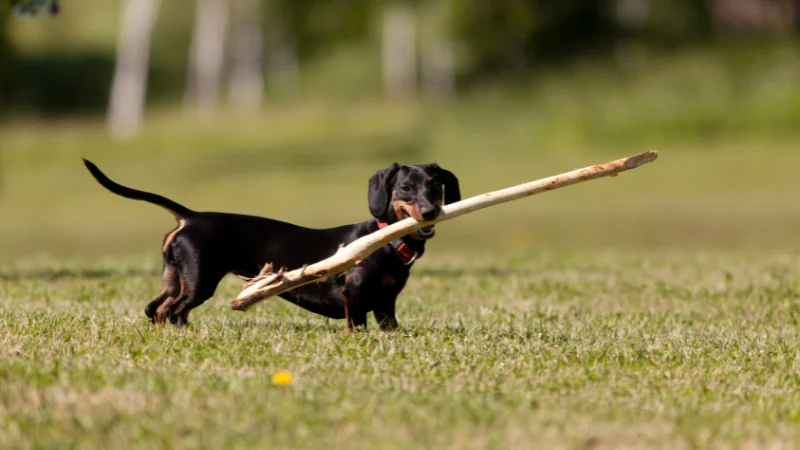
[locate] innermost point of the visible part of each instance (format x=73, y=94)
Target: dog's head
x=420, y=192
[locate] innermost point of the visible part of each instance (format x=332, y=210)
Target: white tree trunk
x=399, y=49
x=129, y=86
x=246, y=86
x=206, y=56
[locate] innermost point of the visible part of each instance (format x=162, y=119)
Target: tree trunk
x=246, y=86
x=206, y=56
x=129, y=86
x=399, y=49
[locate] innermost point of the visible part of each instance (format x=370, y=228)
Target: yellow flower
x=282, y=378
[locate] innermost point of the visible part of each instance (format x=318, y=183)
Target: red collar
x=401, y=249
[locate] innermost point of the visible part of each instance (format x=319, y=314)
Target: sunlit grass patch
x=643, y=349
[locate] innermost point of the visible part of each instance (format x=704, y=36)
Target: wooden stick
x=269, y=284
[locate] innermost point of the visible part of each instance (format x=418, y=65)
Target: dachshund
x=206, y=246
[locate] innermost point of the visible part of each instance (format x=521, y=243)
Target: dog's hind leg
x=194, y=294
x=198, y=282
x=165, y=309
x=170, y=288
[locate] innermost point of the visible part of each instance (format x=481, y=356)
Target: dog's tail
x=179, y=211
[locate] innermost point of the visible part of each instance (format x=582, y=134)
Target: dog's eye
x=406, y=188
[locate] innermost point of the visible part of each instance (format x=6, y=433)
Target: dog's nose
x=430, y=213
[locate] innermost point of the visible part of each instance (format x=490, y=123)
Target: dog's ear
x=379, y=195
x=452, y=191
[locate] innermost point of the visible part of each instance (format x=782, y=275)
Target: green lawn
x=669, y=350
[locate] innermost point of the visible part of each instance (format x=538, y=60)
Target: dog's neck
x=406, y=248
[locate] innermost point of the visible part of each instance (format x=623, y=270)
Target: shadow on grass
x=337, y=327
x=288, y=326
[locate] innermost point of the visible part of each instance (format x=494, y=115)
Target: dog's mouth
x=424, y=232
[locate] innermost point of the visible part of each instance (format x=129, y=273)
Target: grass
x=589, y=350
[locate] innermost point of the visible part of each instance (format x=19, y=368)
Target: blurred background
x=284, y=108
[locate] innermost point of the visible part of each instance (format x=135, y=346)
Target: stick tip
x=642, y=158
x=238, y=305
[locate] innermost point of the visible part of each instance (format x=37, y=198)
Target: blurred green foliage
x=63, y=65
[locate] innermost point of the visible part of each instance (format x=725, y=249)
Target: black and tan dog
x=206, y=246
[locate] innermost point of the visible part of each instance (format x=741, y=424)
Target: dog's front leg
x=386, y=320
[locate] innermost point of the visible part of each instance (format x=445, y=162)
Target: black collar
x=401, y=248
